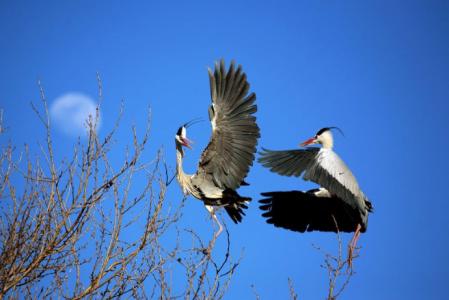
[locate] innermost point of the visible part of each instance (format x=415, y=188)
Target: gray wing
x=330, y=172
x=322, y=166
x=288, y=162
x=232, y=146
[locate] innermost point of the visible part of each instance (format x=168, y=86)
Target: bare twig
x=291, y=287
x=256, y=294
x=91, y=230
x=339, y=268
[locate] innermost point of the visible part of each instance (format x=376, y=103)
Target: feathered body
x=339, y=197
x=231, y=150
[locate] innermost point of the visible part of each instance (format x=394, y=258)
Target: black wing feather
x=303, y=211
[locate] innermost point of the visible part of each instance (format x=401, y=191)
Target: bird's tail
x=364, y=216
x=235, y=204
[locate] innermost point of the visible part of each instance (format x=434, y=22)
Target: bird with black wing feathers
x=338, y=205
x=231, y=150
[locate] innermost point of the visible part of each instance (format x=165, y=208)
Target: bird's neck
x=182, y=177
x=327, y=141
x=328, y=145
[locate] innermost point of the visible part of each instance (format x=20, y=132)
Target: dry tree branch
x=291, y=287
x=80, y=228
x=46, y=224
x=2, y=128
x=339, y=268
x=256, y=294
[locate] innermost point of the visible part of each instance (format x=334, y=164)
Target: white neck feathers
x=326, y=139
x=183, y=179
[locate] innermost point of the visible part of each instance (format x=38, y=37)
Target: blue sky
x=377, y=69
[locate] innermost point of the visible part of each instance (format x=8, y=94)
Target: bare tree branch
x=85, y=228
x=339, y=268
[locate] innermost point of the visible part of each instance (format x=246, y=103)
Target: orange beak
x=308, y=142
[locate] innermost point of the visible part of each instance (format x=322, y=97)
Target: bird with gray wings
x=231, y=150
x=338, y=205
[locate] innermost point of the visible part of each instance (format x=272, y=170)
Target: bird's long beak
x=308, y=142
x=186, y=142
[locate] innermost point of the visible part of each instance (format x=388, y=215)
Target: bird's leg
x=357, y=236
x=353, y=244
x=212, y=213
x=220, y=227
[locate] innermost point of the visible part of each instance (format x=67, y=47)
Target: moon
x=71, y=111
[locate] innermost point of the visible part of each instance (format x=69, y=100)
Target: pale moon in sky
x=70, y=113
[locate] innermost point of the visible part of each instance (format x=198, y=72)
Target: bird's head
x=181, y=138
x=181, y=135
x=323, y=137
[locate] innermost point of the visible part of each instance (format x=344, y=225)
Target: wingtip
x=222, y=65
x=263, y=150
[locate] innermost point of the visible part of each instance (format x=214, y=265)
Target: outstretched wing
x=232, y=146
x=288, y=162
x=300, y=211
x=322, y=166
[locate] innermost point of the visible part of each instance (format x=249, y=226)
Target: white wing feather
x=330, y=172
